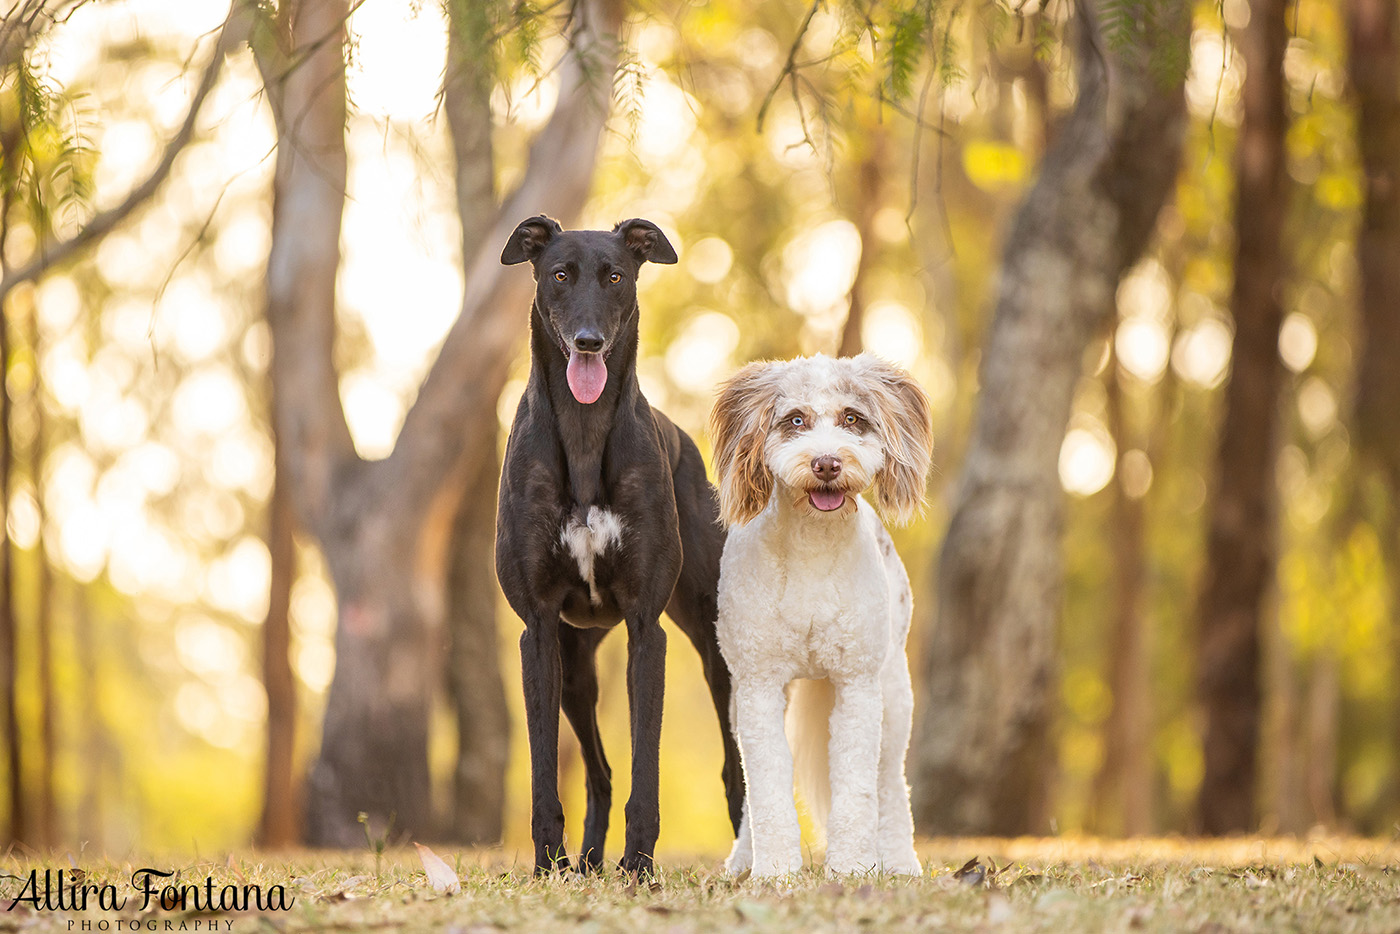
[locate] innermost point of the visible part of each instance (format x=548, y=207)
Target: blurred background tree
x=259, y=357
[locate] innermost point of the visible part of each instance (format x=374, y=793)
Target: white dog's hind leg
x=896, y=834
x=777, y=838
x=855, y=757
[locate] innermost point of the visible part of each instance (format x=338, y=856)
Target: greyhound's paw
x=640, y=864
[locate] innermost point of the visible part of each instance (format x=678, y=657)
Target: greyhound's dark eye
x=562, y=276
x=615, y=277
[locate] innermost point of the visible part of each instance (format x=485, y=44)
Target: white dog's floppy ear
x=904, y=420
x=739, y=426
x=529, y=239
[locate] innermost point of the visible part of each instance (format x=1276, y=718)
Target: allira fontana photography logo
x=151, y=889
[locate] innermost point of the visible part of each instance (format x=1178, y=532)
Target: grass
x=1273, y=885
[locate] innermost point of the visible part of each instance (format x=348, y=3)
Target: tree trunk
x=46, y=830
x=1324, y=711
x=374, y=741
x=91, y=817
x=473, y=658
x=1373, y=33
x=868, y=175
x=19, y=831
x=982, y=739
x=1240, y=550
x=474, y=674
x=372, y=519
x=280, y=824
x=1283, y=785
x=1125, y=777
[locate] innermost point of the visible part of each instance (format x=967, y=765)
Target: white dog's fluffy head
x=787, y=424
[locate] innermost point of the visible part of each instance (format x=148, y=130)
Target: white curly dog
x=814, y=603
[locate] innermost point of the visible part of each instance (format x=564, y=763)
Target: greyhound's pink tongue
x=587, y=376
x=827, y=500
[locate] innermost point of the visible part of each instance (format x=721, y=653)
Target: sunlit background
x=158, y=464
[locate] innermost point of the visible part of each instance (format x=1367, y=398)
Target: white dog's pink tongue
x=827, y=500
x=588, y=374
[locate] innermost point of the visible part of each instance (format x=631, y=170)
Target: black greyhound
x=605, y=515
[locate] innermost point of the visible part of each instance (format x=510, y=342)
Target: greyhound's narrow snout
x=588, y=340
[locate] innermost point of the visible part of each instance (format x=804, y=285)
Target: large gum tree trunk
x=981, y=741
x=474, y=675
x=374, y=740
x=1373, y=31
x=1240, y=548
x=373, y=520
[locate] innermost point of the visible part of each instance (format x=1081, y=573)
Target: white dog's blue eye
x=797, y=421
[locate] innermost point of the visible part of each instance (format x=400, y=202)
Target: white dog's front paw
x=775, y=867
x=842, y=864
x=740, y=858
x=906, y=865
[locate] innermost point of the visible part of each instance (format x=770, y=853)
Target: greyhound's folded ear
x=646, y=241
x=529, y=239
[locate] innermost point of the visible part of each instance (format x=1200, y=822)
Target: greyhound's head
x=586, y=287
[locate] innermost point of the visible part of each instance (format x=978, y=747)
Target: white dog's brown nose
x=826, y=467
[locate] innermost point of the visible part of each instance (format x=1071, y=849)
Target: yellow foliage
x=994, y=166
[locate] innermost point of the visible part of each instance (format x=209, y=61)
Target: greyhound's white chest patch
x=587, y=540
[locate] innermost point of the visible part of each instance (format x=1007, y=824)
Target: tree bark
x=46, y=828
x=868, y=175
x=1373, y=34
x=988, y=665
x=473, y=671
x=1240, y=550
x=1125, y=777
x=280, y=823
x=371, y=518
x=19, y=831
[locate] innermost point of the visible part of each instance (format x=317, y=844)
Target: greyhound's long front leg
x=541, y=672
x=646, y=674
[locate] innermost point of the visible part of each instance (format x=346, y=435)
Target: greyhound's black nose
x=588, y=341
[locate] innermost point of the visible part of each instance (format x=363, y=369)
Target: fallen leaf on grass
x=972, y=872
x=440, y=875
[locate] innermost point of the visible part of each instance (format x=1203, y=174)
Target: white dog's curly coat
x=814, y=603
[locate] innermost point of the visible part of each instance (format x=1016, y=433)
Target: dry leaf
x=972, y=872
x=440, y=875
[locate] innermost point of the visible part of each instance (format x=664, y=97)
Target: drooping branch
x=51, y=253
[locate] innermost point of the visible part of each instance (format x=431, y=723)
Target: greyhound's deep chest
x=591, y=544
x=587, y=540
